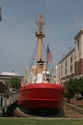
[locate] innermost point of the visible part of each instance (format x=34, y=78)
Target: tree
x=70, y=88
x=15, y=82
x=74, y=86
x=81, y=85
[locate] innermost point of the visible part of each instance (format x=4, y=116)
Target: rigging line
x=44, y=51
x=51, y=61
x=44, y=56
x=49, y=68
x=32, y=58
x=53, y=66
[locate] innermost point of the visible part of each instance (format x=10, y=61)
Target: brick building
x=72, y=63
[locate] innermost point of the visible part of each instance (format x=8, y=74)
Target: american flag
x=49, y=55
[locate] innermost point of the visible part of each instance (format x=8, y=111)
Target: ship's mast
x=40, y=35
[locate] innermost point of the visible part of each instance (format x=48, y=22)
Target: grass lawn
x=27, y=121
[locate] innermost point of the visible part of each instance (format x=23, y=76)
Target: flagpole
x=47, y=59
x=46, y=65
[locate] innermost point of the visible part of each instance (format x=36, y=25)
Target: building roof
x=67, y=55
x=79, y=33
x=8, y=75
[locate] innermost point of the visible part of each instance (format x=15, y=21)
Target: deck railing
x=7, y=99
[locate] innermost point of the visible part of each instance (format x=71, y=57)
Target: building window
x=78, y=44
x=71, y=68
x=79, y=67
x=74, y=56
x=65, y=63
x=65, y=71
x=61, y=66
x=61, y=73
x=71, y=59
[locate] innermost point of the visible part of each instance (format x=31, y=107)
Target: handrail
x=6, y=99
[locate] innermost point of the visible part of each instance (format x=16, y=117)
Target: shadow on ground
x=43, y=112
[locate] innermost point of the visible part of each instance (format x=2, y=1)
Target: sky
x=64, y=19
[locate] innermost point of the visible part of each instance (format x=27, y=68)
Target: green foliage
x=81, y=85
x=15, y=82
x=70, y=88
x=8, y=84
x=39, y=121
x=75, y=86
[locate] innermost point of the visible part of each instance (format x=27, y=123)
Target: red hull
x=41, y=96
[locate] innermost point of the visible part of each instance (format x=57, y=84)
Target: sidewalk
x=74, y=106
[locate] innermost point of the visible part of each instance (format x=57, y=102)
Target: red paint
x=41, y=96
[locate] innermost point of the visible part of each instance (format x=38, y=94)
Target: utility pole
x=0, y=14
